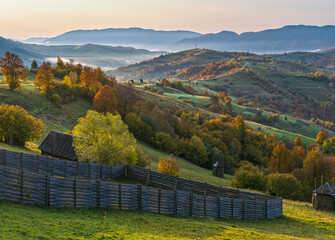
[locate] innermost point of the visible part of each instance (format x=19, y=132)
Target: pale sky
x=44, y=18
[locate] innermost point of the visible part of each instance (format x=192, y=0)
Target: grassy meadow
x=18, y=221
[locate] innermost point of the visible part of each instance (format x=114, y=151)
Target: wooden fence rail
x=59, y=183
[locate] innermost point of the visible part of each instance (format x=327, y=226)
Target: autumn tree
x=71, y=79
x=298, y=142
x=316, y=165
x=104, y=139
x=165, y=82
x=102, y=76
x=17, y=126
x=281, y=160
x=45, y=79
x=321, y=137
x=13, y=70
x=89, y=81
x=298, y=154
x=105, y=100
x=60, y=63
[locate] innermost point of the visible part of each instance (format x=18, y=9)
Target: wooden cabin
x=218, y=169
x=58, y=145
x=324, y=198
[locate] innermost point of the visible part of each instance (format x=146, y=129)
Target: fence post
x=111, y=173
x=159, y=200
x=219, y=207
x=98, y=193
x=38, y=164
x=243, y=208
x=65, y=168
x=21, y=160
x=266, y=209
x=176, y=184
x=126, y=171
x=120, y=192
x=75, y=192
x=89, y=171
x=191, y=204
x=4, y=157
x=232, y=208
x=53, y=167
x=205, y=205
x=148, y=179
x=139, y=197
x=77, y=169
x=47, y=190
x=101, y=171
x=22, y=185
x=175, y=211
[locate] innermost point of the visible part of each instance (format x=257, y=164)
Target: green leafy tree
x=34, y=65
x=104, y=139
x=284, y=185
x=316, y=165
x=17, y=126
x=164, y=142
x=249, y=176
x=13, y=69
x=200, y=156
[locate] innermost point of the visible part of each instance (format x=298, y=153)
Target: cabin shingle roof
x=59, y=144
x=326, y=189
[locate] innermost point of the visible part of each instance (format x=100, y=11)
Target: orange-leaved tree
x=105, y=100
x=13, y=69
x=168, y=165
x=281, y=160
x=45, y=79
x=89, y=81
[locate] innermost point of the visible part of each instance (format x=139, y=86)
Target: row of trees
x=291, y=168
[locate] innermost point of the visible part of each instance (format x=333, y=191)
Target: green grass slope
x=19, y=221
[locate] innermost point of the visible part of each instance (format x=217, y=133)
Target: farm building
x=59, y=145
x=324, y=198
x=218, y=169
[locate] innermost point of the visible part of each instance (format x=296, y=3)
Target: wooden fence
x=45, y=181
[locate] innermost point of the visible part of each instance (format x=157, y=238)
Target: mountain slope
x=285, y=39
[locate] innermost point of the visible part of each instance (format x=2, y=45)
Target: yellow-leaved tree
x=18, y=127
x=104, y=139
x=45, y=79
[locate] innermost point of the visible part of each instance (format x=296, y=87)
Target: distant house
x=324, y=198
x=59, y=145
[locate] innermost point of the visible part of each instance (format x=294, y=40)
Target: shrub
x=249, y=176
x=142, y=159
x=164, y=142
x=17, y=126
x=284, y=185
x=168, y=165
x=55, y=99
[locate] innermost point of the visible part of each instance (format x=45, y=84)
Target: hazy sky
x=31, y=18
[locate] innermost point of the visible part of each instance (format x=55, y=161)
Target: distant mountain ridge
x=286, y=39
x=135, y=37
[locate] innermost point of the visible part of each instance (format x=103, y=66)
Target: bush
x=55, y=99
x=284, y=185
x=249, y=176
x=142, y=159
x=17, y=126
x=164, y=142
x=168, y=165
